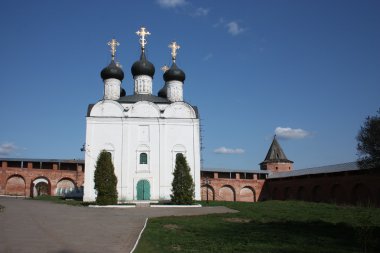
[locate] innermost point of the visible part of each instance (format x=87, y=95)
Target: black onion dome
x=163, y=92
x=122, y=92
x=174, y=73
x=112, y=71
x=142, y=67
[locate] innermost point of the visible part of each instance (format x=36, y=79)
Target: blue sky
x=306, y=70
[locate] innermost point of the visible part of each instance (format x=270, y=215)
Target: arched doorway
x=40, y=186
x=15, y=186
x=143, y=190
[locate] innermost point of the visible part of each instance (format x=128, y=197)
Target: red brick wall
x=277, y=167
x=19, y=181
x=230, y=189
x=349, y=187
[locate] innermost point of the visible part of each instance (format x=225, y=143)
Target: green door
x=143, y=190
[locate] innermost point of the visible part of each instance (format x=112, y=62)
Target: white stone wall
x=142, y=128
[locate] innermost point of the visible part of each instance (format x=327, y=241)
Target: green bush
x=105, y=180
x=182, y=185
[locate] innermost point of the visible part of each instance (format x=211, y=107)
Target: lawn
x=271, y=226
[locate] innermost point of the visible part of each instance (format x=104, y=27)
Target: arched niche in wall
x=15, y=185
x=177, y=149
x=110, y=148
x=65, y=185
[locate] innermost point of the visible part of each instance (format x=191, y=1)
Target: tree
x=369, y=143
x=105, y=180
x=182, y=185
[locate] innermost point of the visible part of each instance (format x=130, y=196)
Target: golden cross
x=113, y=44
x=142, y=33
x=174, y=46
x=164, y=68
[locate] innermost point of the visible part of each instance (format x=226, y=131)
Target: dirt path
x=39, y=226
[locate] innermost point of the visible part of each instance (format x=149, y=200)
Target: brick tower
x=276, y=160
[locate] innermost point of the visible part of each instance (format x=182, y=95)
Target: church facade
x=143, y=132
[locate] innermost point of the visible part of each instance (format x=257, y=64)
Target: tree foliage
x=369, y=143
x=105, y=180
x=182, y=185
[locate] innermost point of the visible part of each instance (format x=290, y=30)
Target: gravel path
x=41, y=226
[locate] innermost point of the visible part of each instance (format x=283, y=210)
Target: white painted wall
x=142, y=128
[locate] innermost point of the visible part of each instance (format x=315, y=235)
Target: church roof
x=143, y=97
x=276, y=154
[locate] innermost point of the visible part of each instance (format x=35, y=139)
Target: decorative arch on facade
x=15, y=185
x=227, y=193
x=40, y=186
x=338, y=194
x=247, y=194
x=65, y=185
x=107, y=108
x=301, y=193
x=179, y=110
x=144, y=109
x=207, y=189
x=361, y=194
x=110, y=148
x=177, y=149
x=317, y=193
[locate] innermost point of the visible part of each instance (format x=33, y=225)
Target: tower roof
x=276, y=154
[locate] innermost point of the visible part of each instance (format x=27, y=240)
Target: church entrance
x=143, y=190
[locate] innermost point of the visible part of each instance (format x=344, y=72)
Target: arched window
x=143, y=158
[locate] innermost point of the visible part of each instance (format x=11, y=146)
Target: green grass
x=272, y=226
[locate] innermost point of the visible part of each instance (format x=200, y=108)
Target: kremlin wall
x=276, y=180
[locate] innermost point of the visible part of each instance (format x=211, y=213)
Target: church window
x=143, y=158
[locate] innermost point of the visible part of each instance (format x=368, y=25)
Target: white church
x=143, y=132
